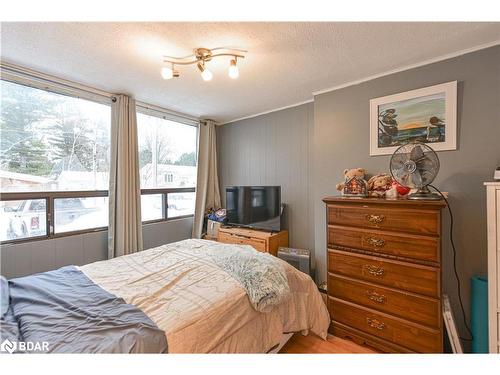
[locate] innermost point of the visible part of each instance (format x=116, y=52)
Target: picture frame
x=427, y=115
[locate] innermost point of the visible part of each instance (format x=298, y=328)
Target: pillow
x=4, y=295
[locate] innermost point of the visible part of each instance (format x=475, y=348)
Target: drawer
x=392, y=273
x=417, y=221
x=256, y=243
x=407, y=246
x=363, y=338
x=410, y=335
x=419, y=309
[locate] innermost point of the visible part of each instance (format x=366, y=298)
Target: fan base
x=424, y=195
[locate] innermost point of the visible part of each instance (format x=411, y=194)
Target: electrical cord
x=457, y=277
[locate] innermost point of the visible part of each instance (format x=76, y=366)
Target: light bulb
x=167, y=73
x=233, y=70
x=207, y=75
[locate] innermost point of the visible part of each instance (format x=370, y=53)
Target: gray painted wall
x=341, y=140
x=38, y=256
x=273, y=149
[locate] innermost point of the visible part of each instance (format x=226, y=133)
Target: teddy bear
x=354, y=183
x=379, y=184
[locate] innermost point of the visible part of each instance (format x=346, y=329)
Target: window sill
x=167, y=220
x=53, y=237
x=85, y=231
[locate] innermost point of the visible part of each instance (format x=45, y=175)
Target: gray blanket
x=73, y=315
x=260, y=274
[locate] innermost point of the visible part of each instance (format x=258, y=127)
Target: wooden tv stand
x=268, y=242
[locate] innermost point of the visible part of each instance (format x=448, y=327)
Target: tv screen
x=256, y=207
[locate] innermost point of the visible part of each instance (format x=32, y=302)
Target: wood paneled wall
x=273, y=149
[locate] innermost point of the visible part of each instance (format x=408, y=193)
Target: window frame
x=164, y=192
x=50, y=196
x=30, y=78
x=155, y=111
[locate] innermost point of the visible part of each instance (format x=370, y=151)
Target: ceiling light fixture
x=205, y=73
x=202, y=56
x=233, y=69
x=168, y=73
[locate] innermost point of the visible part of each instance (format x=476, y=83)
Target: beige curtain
x=125, y=227
x=207, y=185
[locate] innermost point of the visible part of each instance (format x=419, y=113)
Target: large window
x=167, y=158
x=52, y=142
x=54, y=162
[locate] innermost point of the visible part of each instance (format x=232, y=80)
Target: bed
x=180, y=292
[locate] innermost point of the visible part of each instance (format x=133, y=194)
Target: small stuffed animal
x=392, y=193
x=354, y=183
x=350, y=173
x=379, y=184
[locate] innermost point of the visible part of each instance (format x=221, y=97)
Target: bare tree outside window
x=167, y=158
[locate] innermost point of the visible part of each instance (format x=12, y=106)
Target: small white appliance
x=496, y=175
x=299, y=258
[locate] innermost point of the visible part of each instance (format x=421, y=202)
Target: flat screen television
x=257, y=207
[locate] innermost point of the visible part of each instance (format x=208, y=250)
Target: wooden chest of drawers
x=384, y=272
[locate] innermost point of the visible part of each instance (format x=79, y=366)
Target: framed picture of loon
x=426, y=115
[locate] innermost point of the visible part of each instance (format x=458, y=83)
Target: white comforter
x=201, y=308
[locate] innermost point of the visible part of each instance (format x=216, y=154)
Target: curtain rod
x=204, y=121
x=26, y=72
x=36, y=75
x=166, y=111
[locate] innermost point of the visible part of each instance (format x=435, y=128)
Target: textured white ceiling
x=286, y=61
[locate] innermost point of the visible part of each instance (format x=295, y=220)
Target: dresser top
x=382, y=201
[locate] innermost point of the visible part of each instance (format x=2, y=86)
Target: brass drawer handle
x=374, y=296
x=375, y=219
x=374, y=270
x=374, y=323
x=374, y=241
